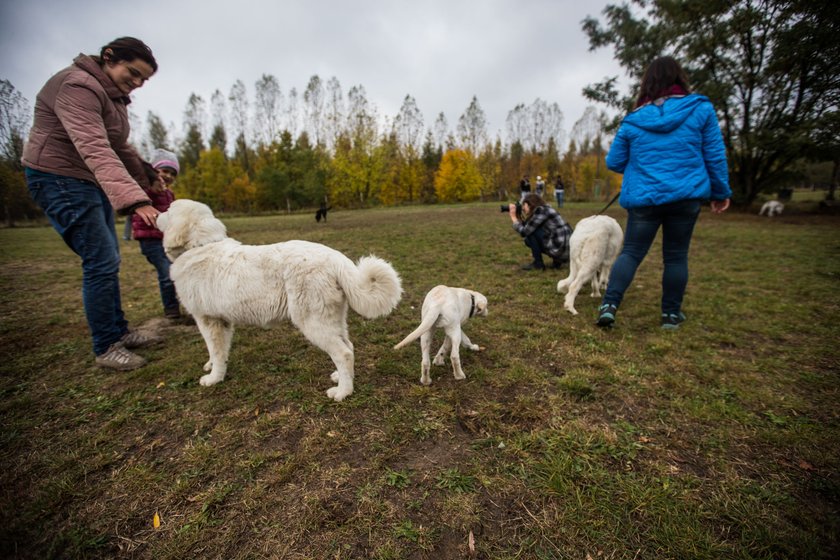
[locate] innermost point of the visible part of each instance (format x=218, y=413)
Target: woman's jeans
x=677, y=220
x=80, y=212
x=534, y=241
x=152, y=249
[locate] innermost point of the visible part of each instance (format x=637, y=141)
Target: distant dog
x=223, y=283
x=593, y=248
x=447, y=308
x=322, y=213
x=771, y=208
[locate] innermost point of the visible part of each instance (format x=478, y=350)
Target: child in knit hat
x=163, y=170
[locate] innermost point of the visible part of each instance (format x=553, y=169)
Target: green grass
x=714, y=441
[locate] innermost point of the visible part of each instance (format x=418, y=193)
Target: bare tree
x=268, y=103
x=334, y=112
x=218, y=118
x=441, y=130
x=291, y=113
x=238, y=99
x=15, y=119
x=587, y=133
x=408, y=125
x=472, y=127
x=156, y=133
x=313, y=97
x=517, y=124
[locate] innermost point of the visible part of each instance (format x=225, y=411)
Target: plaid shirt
x=557, y=231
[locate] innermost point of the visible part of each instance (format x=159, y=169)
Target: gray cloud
x=442, y=52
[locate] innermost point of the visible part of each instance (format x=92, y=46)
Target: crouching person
x=545, y=232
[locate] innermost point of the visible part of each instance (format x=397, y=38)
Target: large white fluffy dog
x=771, y=208
x=223, y=283
x=593, y=248
x=447, y=308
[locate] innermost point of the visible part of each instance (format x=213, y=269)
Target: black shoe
x=671, y=321
x=606, y=315
x=533, y=266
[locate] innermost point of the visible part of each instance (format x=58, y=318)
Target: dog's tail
x=373, y=288
x=427, y=324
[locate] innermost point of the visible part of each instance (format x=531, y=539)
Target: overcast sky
x=441, y=52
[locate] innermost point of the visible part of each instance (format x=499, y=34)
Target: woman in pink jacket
x=80, y=168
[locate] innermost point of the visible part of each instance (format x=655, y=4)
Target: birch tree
x=472, y=127
x=268, y=101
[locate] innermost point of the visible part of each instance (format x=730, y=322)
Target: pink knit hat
x=165, y=158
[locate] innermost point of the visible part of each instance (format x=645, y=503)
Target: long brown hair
x=534, y=201
x=660, y=77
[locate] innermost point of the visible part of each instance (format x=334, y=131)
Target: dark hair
x=660, y=75
x=127, y=49
x=534, y=200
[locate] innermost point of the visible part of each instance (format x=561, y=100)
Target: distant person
x=671, y=153
x=524, y=187
x=544, y=230
x=80, y=168
x=559, y=191
x=165, y=167
x=540, y=187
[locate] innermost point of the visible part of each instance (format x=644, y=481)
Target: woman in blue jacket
x=671, y=153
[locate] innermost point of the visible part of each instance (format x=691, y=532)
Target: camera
x=505, y=208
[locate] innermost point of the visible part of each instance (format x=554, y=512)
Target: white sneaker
x=117, y=357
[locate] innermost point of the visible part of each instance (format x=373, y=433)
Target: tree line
x=769, y=66
x=289, y=151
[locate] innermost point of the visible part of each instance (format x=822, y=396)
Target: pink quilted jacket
x=81, y=130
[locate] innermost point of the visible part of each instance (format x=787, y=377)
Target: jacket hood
x=666, y=116
x=91, y=65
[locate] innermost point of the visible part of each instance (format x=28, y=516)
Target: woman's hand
x=148, y=214
x=512, y=212
x=719, y=206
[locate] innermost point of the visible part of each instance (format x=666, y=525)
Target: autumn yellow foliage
x=458, y=179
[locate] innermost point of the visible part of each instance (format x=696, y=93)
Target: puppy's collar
x=472, y=305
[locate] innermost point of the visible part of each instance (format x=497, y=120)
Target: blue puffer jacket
x=670, y=151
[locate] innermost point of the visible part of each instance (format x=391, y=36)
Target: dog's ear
x=480, y=304
x=175, y=234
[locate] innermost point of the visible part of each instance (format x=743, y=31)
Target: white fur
x=771, y=208
x=593, y=248
x=223, y=283
x=447, y=308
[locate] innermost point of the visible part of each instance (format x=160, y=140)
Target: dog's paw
x=334, y=376
x=476, y=348
x=572, y=310
x=209, y=379
x=425, y=380
x=439, y=360
x=208, y=366
x=337, y=395
x=459, y=375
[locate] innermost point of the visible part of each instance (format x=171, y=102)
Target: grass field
x=716, y=441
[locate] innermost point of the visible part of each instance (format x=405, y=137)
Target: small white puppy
x=771, y=208
x=593, y=248
x=447, y=308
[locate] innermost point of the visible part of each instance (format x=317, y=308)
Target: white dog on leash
x=447, y=308
x=593, y=248
x=771, y=208
x=223, y=283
